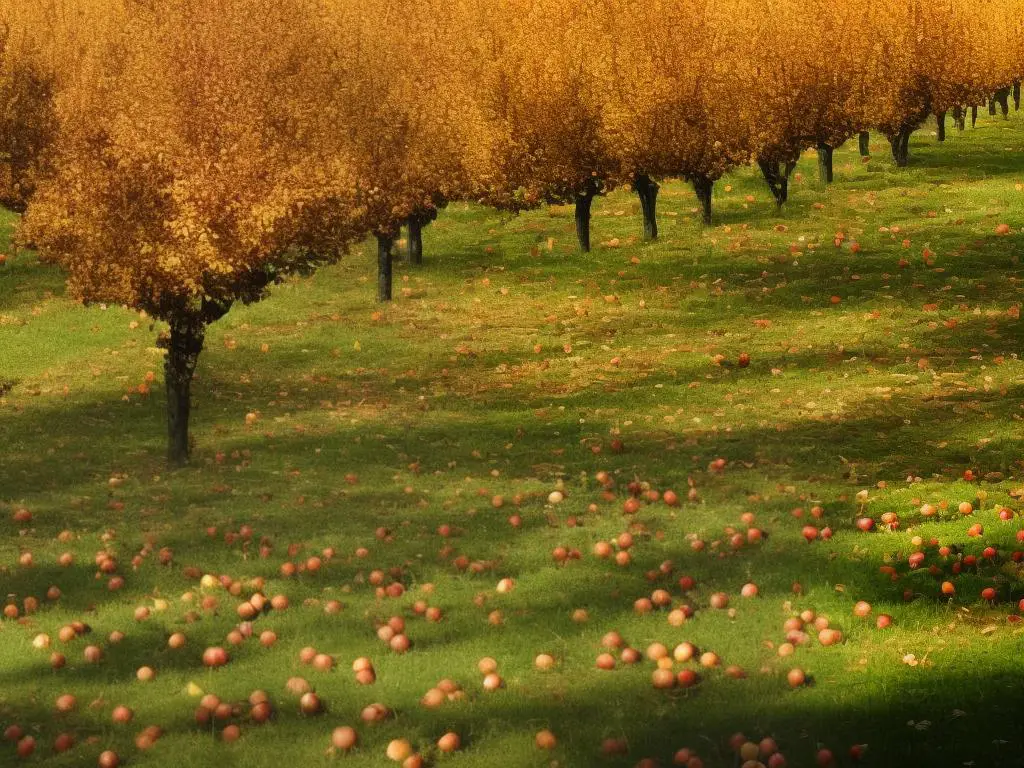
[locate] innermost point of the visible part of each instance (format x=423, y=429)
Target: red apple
x=26, y=746
x=215, y=656
x=310, y=704
x=344, y=737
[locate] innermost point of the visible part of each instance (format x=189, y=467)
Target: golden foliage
x=28, y=123
x=394, y=109
x=208, y=146
x=190, y=170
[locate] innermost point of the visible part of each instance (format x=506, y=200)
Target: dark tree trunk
x=940, y=122
x=974, y=116
x=992, y=105
x=959, y=117
x=584, y=200
x=1003, y=100
x=703, y=186
x=777, y=179
x=864, y=143
x=894, y=143
x=414, y=252
x=901, y=147
x=183, y=348
x=825, y=163
x=647, y=190
x=1016, y=95
x=384, y=243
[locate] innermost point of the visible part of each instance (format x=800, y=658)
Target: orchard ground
x=507, y=365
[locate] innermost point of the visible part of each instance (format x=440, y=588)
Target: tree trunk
x=974, y=116
x=864, y=143
x=894, y=143
x=1016, y=95
x=940, y=122
x=777, y=179
x=901, y=147
x=647, y=191
x=583, y=202
x=183, y=348
x=825, y=163
x=414, y=252
x=959, y=117
x=992, y=105
x=1003, y=100
x=703, y=186
x=384, y=243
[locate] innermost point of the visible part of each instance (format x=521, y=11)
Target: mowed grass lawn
x=510, y=366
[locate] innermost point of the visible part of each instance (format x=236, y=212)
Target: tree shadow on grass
x=390, y=447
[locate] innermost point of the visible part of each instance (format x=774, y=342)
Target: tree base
x=900, y=142
x=1002, y=99
x=584, y=201
x=415, y=224
x=647, y=190
x=583, y=204
x=414, y=244
x=776, y=176
x=960, y=117
x=384, y=265
x=183, y=347
x=825, y=163
x=703, y=187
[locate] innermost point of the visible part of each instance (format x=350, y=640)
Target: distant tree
x=398, y=110
x=539, y=108
x=639, y=77
x=674, y=79
x=913, y=75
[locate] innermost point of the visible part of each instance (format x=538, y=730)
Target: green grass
x=439, y=402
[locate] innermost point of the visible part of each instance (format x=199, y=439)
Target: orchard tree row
x=179, y=156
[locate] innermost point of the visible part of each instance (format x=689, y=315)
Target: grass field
x=510, y=365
